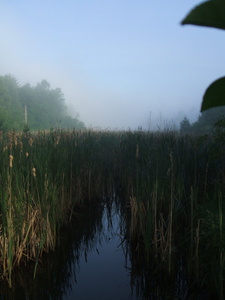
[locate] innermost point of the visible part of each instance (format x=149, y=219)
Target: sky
x=121, y=64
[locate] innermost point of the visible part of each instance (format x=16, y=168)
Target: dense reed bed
x=43, y=177
x=172, y=186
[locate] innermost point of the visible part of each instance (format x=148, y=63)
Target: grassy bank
x=173, y=186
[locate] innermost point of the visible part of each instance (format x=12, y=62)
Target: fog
x=120, y=64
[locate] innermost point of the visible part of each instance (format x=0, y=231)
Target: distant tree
x=11, y=112
x=185, y=126
x=45, y=106
x=72, y=123
x=207, y=120
x=43, y=85
x=28, y=98
x=51, y=105
x=44, y=114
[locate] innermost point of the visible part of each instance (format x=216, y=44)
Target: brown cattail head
x=33, y=172
x=31, y=142
x=10, y=161
x=10, y=139
x=56, y=141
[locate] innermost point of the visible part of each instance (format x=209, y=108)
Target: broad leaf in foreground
x=210, y=14
x=214, y=95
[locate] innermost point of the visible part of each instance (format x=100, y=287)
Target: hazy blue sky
x=115, y=60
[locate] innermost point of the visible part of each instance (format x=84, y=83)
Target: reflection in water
x=96, y=260
x=89, y=263
x=103, y=270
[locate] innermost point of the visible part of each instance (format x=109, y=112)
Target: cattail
x=34, y=172
x=10, y=136
x=10, y=160
x=31, y=142
x=57, y=140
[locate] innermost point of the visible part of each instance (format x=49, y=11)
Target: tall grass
x=43, y=177
x=172, y=184
x=176, y=185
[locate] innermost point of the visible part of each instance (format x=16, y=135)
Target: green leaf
x=210, y=14
x=214, y=95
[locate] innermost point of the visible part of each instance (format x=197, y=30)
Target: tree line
x=206, y=123
x=37, y=108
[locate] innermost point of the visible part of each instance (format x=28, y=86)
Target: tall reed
x=176, y=191
x=44, y=176
x=170, y=182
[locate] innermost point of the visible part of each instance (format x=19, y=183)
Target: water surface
x=104, y=271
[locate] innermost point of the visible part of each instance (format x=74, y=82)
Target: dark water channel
x=94, y=260
x=103, y=269
x=91, y=261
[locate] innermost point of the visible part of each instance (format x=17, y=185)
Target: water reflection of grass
x=173, y=186
x=58, y=270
